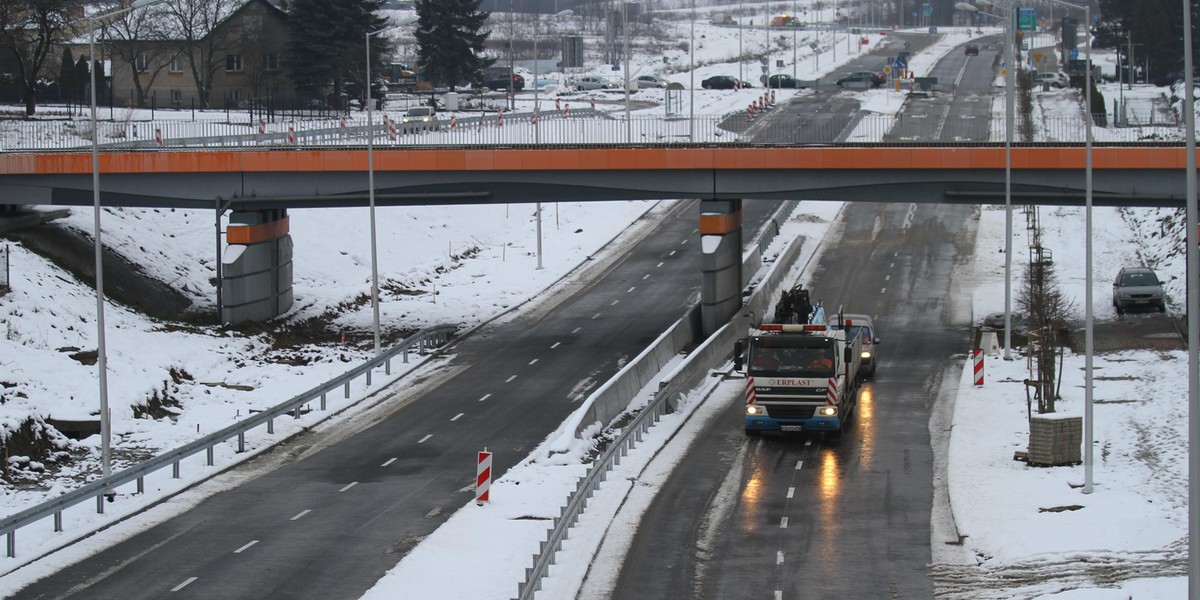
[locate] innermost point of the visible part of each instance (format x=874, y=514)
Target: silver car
x=591, y=82
x=861, y=324
x=650, y=81
x=1138, y=287
x=419, y=118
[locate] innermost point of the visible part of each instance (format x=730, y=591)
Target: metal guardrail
x=100, y=489
x=576, y=127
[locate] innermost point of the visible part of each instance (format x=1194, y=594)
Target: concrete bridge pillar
x=256, y=266
x=720, y=262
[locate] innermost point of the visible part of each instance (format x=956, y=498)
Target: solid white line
x=658, y=265
x=791, y=492
x=556, y=344
x=783, y=523
x=509, y=380
x=252, y=542
x=389, y=461
x=457, y=417
x=300, y=515
x=422, y=440
x=485, y=397
x=779, y=557
x=183, y=585
x=533, y=362
x=630, y=289
x=799, y=464
x=576, y=330
x=348, y=486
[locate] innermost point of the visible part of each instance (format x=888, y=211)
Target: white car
x=591, y=82
x=419, y=118
x=1056, y=80
x=651, y=81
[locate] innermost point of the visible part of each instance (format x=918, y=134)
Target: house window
x=270, y=61
x=233, y=62
x=177, y=64
x=142, y=62
x=176, y=96
x=235, y=95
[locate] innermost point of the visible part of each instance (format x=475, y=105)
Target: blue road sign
x=901, y=63
x=1074, y=52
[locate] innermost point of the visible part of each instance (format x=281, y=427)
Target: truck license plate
x=791, y=427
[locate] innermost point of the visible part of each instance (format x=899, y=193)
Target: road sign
x=901, y=63
x=926, y=9
x=1026, y=17
x=1074, y=52
x=887, y=70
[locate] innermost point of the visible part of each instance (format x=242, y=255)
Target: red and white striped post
x=566, y=107
x=978, y=354
x=500, y=118
x=262, y=127
x=533, y=118
x=158, y=136
x=483, y=476
x=452, y=123
x=557, y=104
x=291, y=134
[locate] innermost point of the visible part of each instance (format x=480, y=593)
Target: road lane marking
x=614, y=302
x=807, y=442
x=783, y=523
x=485, y=397
x=422, y=440
x=556, y=344
x=779, y=557
x=791, y=492
x=630, y=289
x=300, y=515
x=646, y=276
x=887, y=278
x=533, y=362
x=596, y=316
x=247, y=546
x=685, y=240
x=658, y=265
x=457, y=417
x=509, y=380
x=183, y=585
x=883, y=291
x=799, y=464
x=348, y=486
x=672, y=253
x=389, y=461
x=576, y=330
x=778, y=594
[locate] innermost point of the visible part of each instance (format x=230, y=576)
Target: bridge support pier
x=256, y=266
x=720, y=262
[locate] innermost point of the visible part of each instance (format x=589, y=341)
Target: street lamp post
x=1193, y=307
x=692, y=79
x=371, y=192
x=101, y=351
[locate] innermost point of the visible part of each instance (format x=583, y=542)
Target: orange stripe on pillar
x=720, y=224
x=253, y=234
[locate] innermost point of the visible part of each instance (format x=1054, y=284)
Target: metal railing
x=105, y=488
x=569, y=127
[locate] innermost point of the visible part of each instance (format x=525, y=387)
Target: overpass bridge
x=259, y=186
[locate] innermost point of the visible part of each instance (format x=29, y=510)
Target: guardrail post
x=296, y=411
x=12, y=544
x=387, y=367
x=322, y=400
x=141, y=485
x=210, y=455
x=99, y=504
x=241, y=442
x=58, y=522
x=347, y=389
x=369, y=376
x=270, y=426
x=175, y=470
x=406, y=355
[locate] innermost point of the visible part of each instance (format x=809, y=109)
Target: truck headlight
x=866, y=354
x=754, y=409
x=827, y=411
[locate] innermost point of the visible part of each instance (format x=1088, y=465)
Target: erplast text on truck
x=801, y=378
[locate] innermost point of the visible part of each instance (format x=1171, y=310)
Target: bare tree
x=29, y=31
x=194, y=24
x=1043, y=300
x=139, y=41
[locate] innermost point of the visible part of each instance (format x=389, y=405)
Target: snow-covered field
x=469, y=264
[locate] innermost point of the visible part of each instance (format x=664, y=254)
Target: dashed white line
x=799, y=464
x=556, y=344
x=630, y=289
x=485, y=397
x=882, y=291
x=646, y=276
x=672, y=253
x=890, y=265
x=614, y=302
x=533, y=362
x=348, y=486
x=422, y=440
x=779, y=557
x=778, y=594
x=247, y=546
x=783, y=523
x=457, y=417
x=389, y=461
x=183, y=585
x=887, y=278
x=509, y=380
x=300, y=515
x=658, y=265
x=576, y=330
x=685, y=240
x=807, y=442
x=596, y=316
x=791, y=492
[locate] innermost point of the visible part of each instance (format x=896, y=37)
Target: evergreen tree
x=327, y=49
x=66, y=75
x=1155, y=27
x=449, y=41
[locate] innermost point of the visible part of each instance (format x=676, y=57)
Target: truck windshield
x=770, y=357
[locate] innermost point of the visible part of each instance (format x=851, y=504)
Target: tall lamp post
x=371, y=190
x=1193, y=307
x=101, y=352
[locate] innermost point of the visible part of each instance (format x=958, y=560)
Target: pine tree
x=66, y=75
x=449, y=41
x=327, y=49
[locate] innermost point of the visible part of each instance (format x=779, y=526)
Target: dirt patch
x=27, y=451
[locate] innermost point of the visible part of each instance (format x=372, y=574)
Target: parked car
x=419, y=119
x=862, y=324
x=651, y=81
x=1056, y=80
x=499, y=81
x=724, y=82
x=871, y=77
x=1137, y=287
x=971, y=50
x=592, y=82
x=995, y=321
x=781, y=81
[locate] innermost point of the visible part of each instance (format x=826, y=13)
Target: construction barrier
x=483, y=476
x=452, y=123
x=158, y=136
x=978, y=354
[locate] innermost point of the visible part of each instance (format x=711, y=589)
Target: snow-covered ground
x=469, y=264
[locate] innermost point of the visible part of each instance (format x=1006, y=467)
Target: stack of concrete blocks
x=1055, y=440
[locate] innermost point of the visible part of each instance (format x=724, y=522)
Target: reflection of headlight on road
x=827, y=411
x=753, y=409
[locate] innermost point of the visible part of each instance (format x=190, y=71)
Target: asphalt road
x=810, y=517
x=328, y=513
